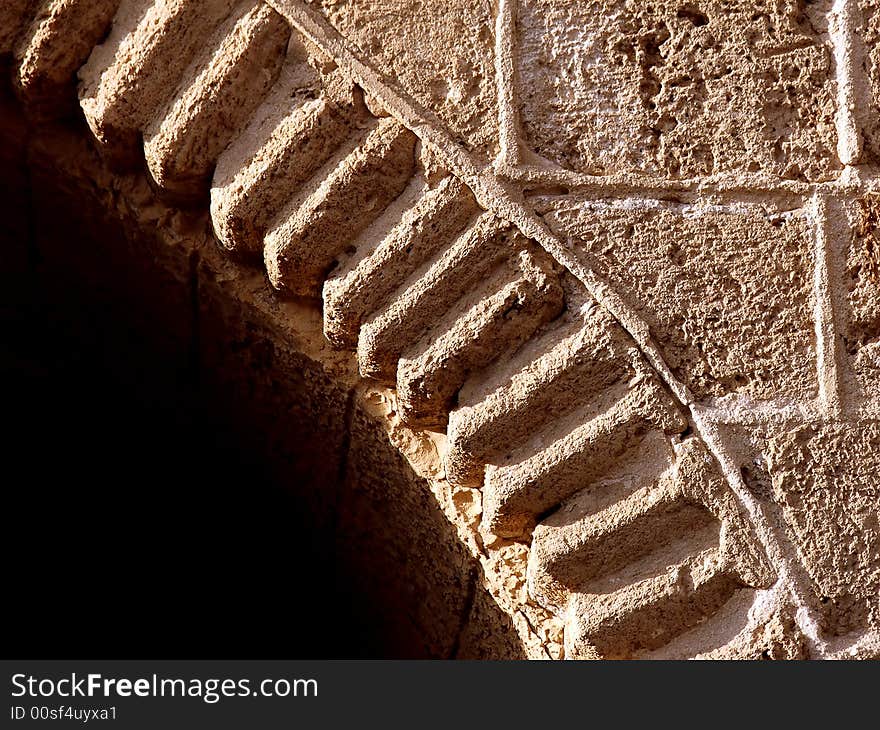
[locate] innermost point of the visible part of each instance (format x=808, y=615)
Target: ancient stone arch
x=610, y=270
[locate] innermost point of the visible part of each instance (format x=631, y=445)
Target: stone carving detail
x=638, y=370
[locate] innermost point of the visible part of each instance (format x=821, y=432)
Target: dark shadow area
x=134, y=523
x=131, y=528
x=179, y=480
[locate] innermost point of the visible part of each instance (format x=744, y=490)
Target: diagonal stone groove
x=556, y=397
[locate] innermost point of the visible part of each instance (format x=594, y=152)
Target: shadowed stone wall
x=604, y=274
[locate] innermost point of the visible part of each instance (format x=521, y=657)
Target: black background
x=133, y=523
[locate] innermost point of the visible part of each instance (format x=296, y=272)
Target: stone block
x=726, y=291
x=824, y=480
x=677, y=89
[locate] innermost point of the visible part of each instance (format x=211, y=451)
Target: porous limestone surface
x=859, y=266
x=725, y=290
x=603, y=273
x=440, y=52
x=825, y=480
x=677, y=89
x=867, y=25
x=818, y=481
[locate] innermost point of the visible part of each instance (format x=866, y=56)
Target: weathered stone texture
x=216, y=97
x=439, y=52
x=726, y=292
x=650, y=561
x=673, y=246
x=824, y=479
x=677, y=89
x=860, y=296
x=869, y=30
x=313, y=230
x=129, y=76
x=60, y=38
x=295, y=131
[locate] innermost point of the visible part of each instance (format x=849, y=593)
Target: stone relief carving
x=619, y=258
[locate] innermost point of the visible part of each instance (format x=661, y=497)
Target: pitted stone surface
x=566, y=392
x=825, y=481
x=61, y=37
x=860, y=261
x=677, y=89
x=726, y=293
x=440, y=52
x=869, y=32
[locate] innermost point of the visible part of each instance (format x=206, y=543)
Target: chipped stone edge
x=493, y=194
x=130, y=198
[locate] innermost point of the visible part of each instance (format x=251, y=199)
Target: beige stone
x=859, y=311
x=433, y=216
x=279, y=151
x=677, y=89
x=218, y=94
x=726, y=291
x=439, y=53
x=61, y=36
x=591, y=286
x=824, y=480
x=367, y=173
x=643, y=559
x=867, y=23
x=130, y=77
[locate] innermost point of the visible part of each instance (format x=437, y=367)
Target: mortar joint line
x=787, y=571
x=508, y=125
x=494, y=196
x=488, y=191
x=823, y=312
x=841, y=29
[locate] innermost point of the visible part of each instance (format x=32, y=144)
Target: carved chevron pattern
x=548, y=404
